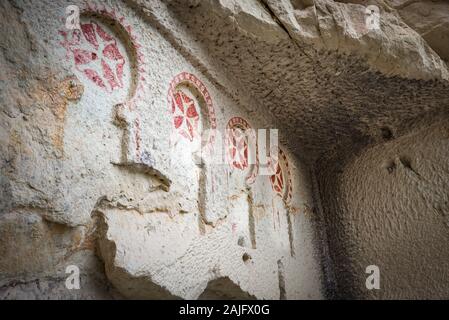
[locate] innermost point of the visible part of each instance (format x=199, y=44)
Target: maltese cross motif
x=185, y=115
x=96, y=55
x=238, y=149
x=277, y=179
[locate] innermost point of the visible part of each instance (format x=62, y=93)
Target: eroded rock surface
x=101, y=165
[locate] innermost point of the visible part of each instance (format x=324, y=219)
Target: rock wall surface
x=396, y=217
x=102, y=167
x=111, y=157
x=337, y=89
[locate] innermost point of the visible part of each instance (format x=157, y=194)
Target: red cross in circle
x=277, y=179
x=96, y=55
x=185, y=115
x=238, y=148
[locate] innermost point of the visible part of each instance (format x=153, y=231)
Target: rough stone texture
x=430, y=20
x=396, y=218
x=92, y=165
x=101, y=168
x=328, y=89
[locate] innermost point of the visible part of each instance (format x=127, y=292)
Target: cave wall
x=388, y=206
x=101, y=168
x=338, y=90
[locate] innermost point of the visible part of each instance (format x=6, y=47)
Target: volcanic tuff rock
x=99, y=169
